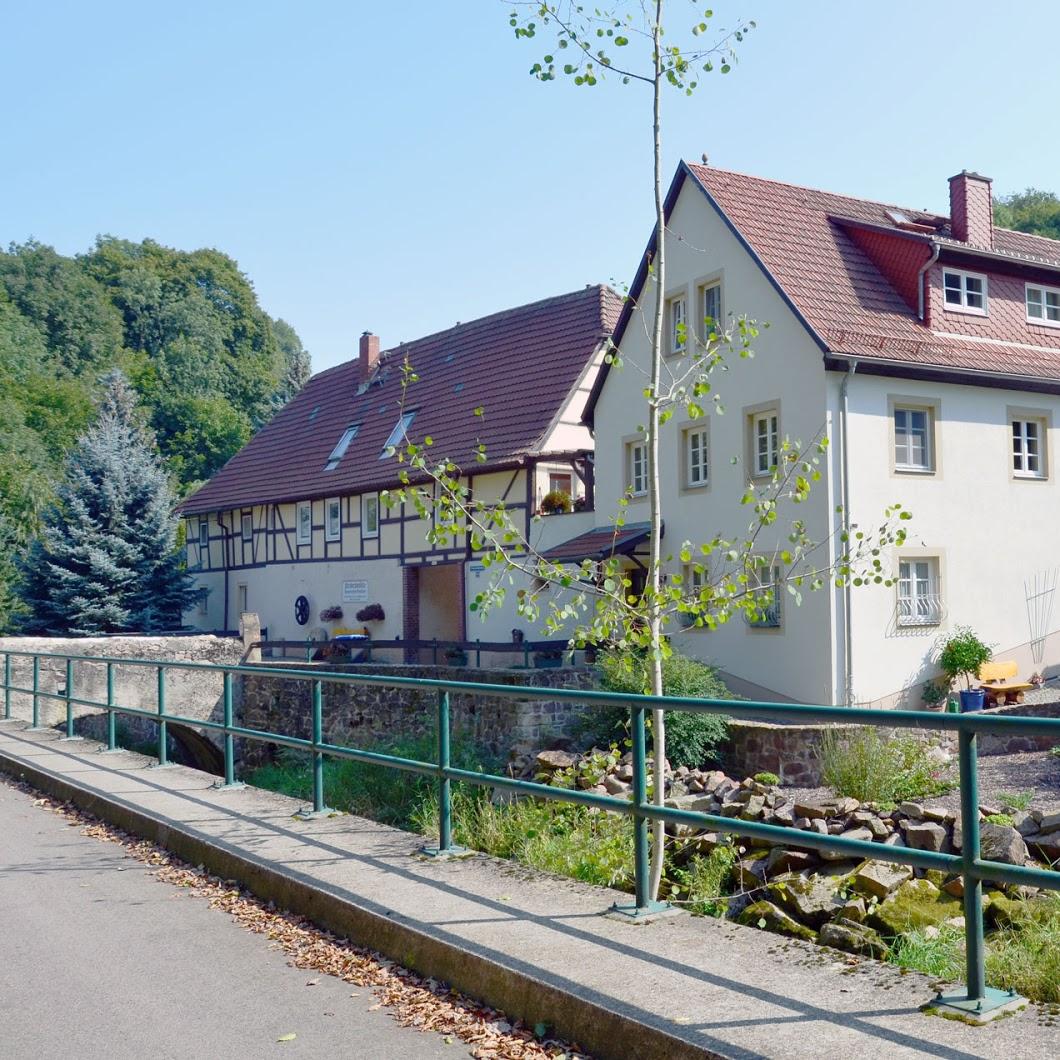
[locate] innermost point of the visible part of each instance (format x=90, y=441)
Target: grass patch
x=867, y=766
x=1024, y=957
x=1016, y=800
x=703, y=886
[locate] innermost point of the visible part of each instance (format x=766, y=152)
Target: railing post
x=319, y=808
x=36, y=691
x=68, y=693
x=229, y=781
x=973, y=886
x=434, y=652
x=7, y=685
x=445, y=847
x=163, y=733
x=979, y=1002
x=478, y=653
x=526, y=656
x=643, y=906
x=112, y=721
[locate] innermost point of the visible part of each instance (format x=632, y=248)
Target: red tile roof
x=844, y=297
x=600, y=543
x=519, y=365
x=855, y=297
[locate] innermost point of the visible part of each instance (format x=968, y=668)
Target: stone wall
x=362, y=715
x=792, y=752
x=188, y=692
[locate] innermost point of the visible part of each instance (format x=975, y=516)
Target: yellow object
x=996, y=680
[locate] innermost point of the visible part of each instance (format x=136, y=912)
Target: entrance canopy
x=600, y=543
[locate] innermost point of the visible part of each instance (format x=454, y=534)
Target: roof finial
x=706, y=160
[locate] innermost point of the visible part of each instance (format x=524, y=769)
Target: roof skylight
x=341, y=446
x=398, y=434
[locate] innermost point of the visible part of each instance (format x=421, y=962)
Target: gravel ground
x=1031, y=771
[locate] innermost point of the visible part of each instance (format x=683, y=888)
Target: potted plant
x=331, y=614
x=456, y=657
x=371, y=613
x=933, y=695
x=961, y=656
x=548, y=659
x=556, y=502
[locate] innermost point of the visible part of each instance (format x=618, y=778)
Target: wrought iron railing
x=976, y=998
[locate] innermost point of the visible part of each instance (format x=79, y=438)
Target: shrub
x=869, y=767
x=703, y=885
x=767, y=778
x=962, y=654
x=933, y=694
x=691, y=739
x=999, y=818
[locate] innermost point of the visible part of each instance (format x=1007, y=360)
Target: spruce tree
x=106, y=560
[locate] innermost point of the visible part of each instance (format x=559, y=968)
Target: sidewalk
x=532, y=945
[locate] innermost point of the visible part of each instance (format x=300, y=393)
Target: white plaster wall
x=992, y=531
x=795, y=661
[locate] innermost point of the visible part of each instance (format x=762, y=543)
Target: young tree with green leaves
x=596, y=604
x=106, y=560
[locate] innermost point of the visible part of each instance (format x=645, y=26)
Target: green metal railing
x=978, y=998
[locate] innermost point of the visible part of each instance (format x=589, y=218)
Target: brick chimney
x=369, y=354
x=971, y=209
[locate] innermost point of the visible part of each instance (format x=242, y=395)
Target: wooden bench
x=997, y=680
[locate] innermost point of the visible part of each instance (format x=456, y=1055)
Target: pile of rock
x=850, y=904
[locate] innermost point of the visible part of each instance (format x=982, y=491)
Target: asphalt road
x=97, y=962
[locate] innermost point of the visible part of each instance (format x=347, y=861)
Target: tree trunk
x=654, y=501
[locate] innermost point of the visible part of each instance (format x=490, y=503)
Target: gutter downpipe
x=224, y=545
x=921, y=277
x=844, y=471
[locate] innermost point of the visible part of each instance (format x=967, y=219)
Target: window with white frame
x=765, y=441
x=697, y=462
x=204, y=532
x=677, y=315
x=370, y=515
x=637, y=468
x=710, y=308
x=341, y=446
x=246, y=525
x=399, y=434
x=333, y=519
x=964, y=291
x=766, y=585
x=1043, y=304
x=913, y=449
x=304, y=522
x=919, y=602
x=1028, y=448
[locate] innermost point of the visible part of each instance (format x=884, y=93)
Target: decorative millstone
x=450, y=853
x=71, y=739
x=162, y=765
x=979, y=1011
x=641, y=914
x=236, y=785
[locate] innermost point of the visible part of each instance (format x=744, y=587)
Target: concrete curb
x=605, y=1032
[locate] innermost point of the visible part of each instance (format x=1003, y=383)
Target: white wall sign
x=355, y=592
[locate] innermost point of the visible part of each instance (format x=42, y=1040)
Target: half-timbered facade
x=292, y=527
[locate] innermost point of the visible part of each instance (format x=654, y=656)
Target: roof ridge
x=699, y=167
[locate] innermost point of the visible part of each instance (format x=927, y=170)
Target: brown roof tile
x=519, y=365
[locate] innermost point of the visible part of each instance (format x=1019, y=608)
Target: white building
x=928, y=350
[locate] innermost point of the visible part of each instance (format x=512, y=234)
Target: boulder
x=999, y=842
x=853, y=909
x=939, y=814
x=911, y=809
x=812, y=811
x=876, y=879
x=1050, y=822
x=1046, y=846
x=813, y=899
x=750, y=871
x=783, y=860
x=783, y=815
x=551, y=761
x=766, y=915
x=925, y=835
x=840, y=855
x=915, y=904
x=754, y=808
x=614, y=786
x=852, y=937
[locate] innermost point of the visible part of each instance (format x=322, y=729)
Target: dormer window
x=341, y=446
x=1043, y=304
x=964, y=292
x=398, y=434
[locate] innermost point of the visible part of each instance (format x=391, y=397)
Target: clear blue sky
x=391, y=166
